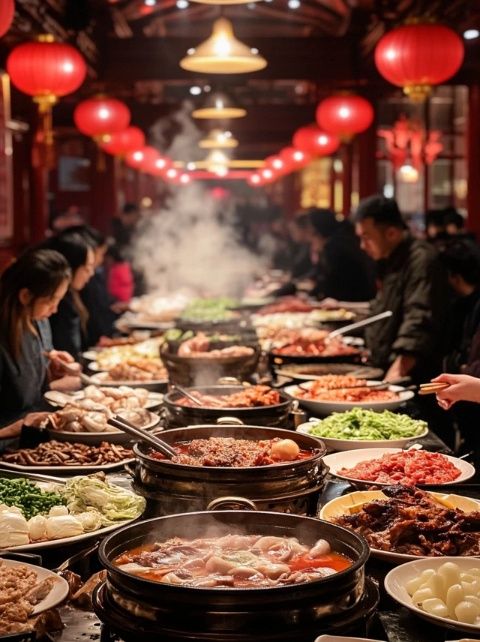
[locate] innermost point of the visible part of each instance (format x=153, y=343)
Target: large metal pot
x=178, y=415
x=134, y=606
x=170, y=488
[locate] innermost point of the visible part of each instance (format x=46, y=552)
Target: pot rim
x=287, y=401
x=226, y=591
x=319, y=447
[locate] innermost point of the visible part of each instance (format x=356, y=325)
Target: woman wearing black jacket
x=31, y=289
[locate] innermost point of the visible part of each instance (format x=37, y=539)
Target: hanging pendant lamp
x=219, y=106
x=218, y=139
x=222, y=53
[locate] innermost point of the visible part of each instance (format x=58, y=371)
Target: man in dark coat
x=412, y=285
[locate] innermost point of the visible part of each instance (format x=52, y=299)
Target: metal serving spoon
x=152, y=440
x=187, y=394
x=358, y=324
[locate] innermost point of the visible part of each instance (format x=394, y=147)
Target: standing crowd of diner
x=60, y=297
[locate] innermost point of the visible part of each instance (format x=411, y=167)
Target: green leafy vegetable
x=360, y=424
x=112, y=502
x=27, y=496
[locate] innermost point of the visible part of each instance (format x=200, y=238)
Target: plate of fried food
x=27, y=590
x=403, y=523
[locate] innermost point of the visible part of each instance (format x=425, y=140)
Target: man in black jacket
x=412, y=285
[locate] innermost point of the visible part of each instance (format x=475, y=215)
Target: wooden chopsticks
x=432, y=387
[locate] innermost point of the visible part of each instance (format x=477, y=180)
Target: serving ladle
x=152, y=440
x=187, y=394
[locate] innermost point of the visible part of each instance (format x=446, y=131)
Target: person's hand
x=400, y=368
x=35, y=419
x=62, y=363
x=461, y=388
x=69, y=383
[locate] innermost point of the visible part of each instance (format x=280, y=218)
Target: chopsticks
x=432, y=387
x=134, y=431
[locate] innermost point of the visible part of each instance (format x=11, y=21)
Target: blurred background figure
x=70, y=323
x=120, y=282
x=343, y=271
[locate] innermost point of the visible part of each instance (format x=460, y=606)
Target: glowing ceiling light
x=219, y=106
x=218, y=139
x=191, y=166
x=222, y=53
x=182, y=4
x=195, y=90
x=149, y=3
x=185, y=179
x=471, y=34
x=293, y=4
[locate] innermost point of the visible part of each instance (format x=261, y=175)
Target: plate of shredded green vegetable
x=362, y=428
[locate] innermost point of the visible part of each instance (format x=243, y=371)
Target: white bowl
x=351, y=444
x=327, y=407
x=397, y=578
x=350, y=458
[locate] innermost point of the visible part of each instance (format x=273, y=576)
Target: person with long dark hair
x=31, y=289
x=69, y=324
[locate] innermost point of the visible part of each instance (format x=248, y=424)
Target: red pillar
x=473, y=161
x=367, y=163
x=347, y=160
x=104, y=193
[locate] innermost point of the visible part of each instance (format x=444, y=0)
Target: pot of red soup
x=278, y=469
x=233, y=576
x=252, y=404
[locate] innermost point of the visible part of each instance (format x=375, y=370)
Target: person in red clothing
x=120, y=283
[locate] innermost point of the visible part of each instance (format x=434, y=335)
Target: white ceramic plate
x=154, y=400
x=94, y=438
x=350, y=458
x=327, y=407
x=58, y=593
x=341, y=506
x=351, y=444
x=397, y=578
x=67, y=470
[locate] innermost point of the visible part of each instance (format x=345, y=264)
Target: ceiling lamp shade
x=418, y=56
x=314, y=141
x=294, y=158
x=101, y=117
x=128, y=140
x=46, y=70
x=345, y=115
x=218, y=139
x=219, y=106
x=7, y=11
x=222, y=53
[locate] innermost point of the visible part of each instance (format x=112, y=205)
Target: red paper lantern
x=126, y=141
x=134, y=158
x=294, y=158
x=46, y=70
x=100, y=117
x=314, y=141
x=7, y=11
x=345, y=115
x=160, y=166
x=254, y=180
x=275, y=163
x=417, y=56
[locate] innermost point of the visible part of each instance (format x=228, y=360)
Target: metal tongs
x=158, y=444
x=358, y=324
